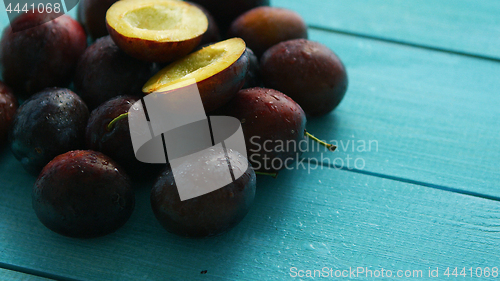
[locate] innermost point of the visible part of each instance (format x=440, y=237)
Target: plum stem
x=274, y=175
x=330, y=146
x=112, y=123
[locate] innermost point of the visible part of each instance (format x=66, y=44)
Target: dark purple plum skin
x=225, y=11
x=212, y=34
x=264, y=27
x=208, y=215
x=92, y=15
x=268, y=118
x=308, y=72
x=42, y=56
x=8, y=107
x=47, y=124
x=253, y=78
x=116, y=143
x=83, y=194
x=104, y=72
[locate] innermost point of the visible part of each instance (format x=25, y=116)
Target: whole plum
x=264, y=27
x=40, y=55
x=209, y=214
x=47, y=124
x=83, y=194
x=114, y=140
x=308, y=72
x=273, y=125
x=105, y=71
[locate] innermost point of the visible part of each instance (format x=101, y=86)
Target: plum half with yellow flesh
x=219, y=70
x=156, y=30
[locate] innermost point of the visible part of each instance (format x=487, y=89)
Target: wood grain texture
x=467, y=26
x=328, y=218
x=434, y=117
x=9, y=275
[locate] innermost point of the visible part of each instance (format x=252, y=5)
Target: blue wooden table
x=423, y=198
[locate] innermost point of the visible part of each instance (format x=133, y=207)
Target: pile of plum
x=70, y=129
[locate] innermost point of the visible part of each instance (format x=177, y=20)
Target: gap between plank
x=34, y=272
x=405, y=180
x=404, y=43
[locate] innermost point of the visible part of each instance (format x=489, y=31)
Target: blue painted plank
x=432, y=117
x=8, y=275
x=403, y=97
x=325, y=218
x=467, y=26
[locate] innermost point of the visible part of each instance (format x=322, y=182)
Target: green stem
x=274, y=175
x=330, y=146
x=112, y=123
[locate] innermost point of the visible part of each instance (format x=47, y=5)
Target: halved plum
x=219, y=70
x=156, y=30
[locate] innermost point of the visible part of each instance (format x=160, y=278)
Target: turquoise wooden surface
x=9, y=275
x=465, y=26
x=327, y=218
x=426, y=198
x=434, y=116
